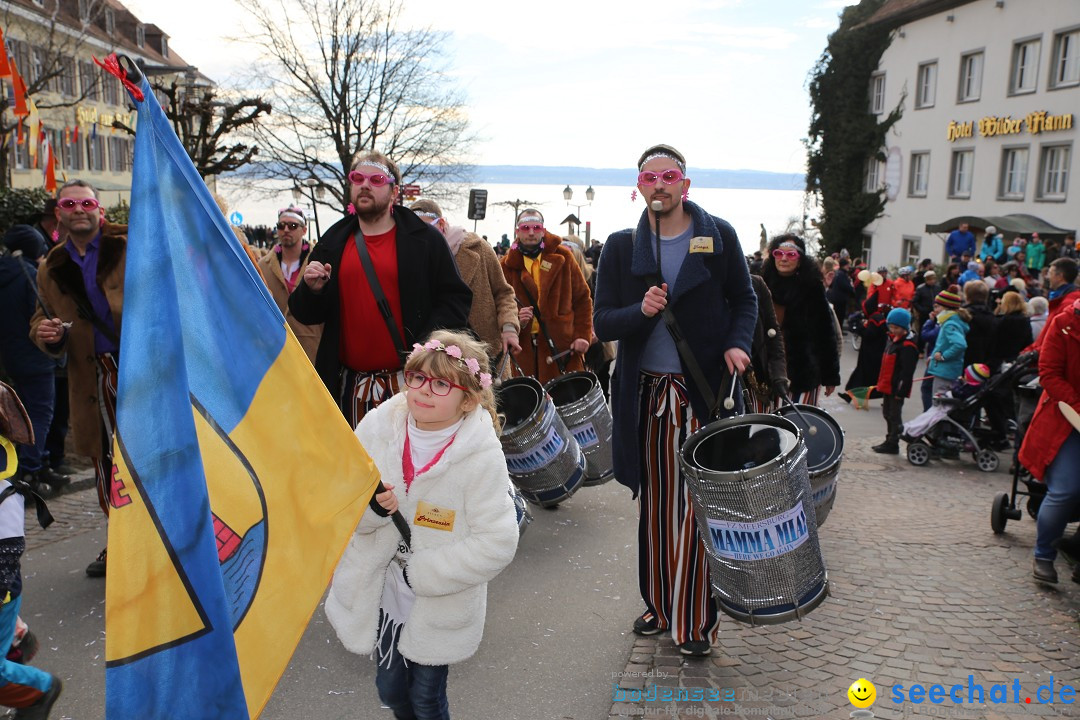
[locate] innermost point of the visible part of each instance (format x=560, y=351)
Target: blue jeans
x=413, y=691
x=38, y=393
x=927, y=390
x=1062, y=497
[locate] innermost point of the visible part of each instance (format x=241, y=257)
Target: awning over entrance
x=1008, y=225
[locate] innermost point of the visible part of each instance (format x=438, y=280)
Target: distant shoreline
x=702, y=178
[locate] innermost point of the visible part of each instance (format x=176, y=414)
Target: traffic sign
x=411, y=190
x=236, y=218
x=477, y=204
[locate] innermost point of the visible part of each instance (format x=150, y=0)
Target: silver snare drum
x=542, y=457
x=824, y=451
x=751, y=495
x=580, y=402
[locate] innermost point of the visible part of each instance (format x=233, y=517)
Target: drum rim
x=686, y=452
x=833, y=464
x=576, y=375
x=531, y=383
x=760, y=617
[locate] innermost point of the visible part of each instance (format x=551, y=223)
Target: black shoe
x=97, y=568
x=696, y=648
x=1069, y=549
x=887, y=448
x=1044, y=571
x=907, y=438
x=1076, y=573
x=845, y=396
x=40, y=710
x=647, y=625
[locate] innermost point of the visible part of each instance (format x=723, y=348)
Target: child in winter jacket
x=421, y=605
x=894, y=381
x=947, y=359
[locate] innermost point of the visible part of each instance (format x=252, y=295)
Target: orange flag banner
x=20, y=109
x=5, y=67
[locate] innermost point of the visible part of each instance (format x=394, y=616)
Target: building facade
x=990, y=92
x=53, y=44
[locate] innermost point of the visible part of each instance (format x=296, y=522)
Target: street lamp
x=568, y=195
x=315, y=188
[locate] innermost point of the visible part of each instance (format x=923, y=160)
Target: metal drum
x=542, y=457
x=580, y=402
x=751, y=493
x=824, y=451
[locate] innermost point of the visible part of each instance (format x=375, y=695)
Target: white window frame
x=84, y=11
x=140, y=35
x=919, y=182
x=1012, y=183
x=1024, y=66
x=110, y=21
x=910, y=248
x=164, y=46
x=877, y=93
x=926, y=85
x=866, y=252
x=961, y=173
x=874, y=175
x=1065, y=60
x=971, y=74
x=1054, y=165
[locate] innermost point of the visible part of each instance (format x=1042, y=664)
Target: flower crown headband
x=470, y=364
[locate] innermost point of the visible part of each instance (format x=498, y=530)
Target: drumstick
x=1071, y=415
x=729, y=401
x=811, y=429
x=551, y=359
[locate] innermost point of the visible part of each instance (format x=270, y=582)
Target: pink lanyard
x=408, y=472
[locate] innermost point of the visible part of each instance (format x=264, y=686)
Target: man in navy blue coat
x=655, y=403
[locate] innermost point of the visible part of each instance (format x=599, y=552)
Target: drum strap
x=687, y=355
x=376, y=290
x=560, y=360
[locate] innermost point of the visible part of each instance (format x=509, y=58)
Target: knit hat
x=27, y=239
x=948, y=299
x=976, y=374
x=991, y=230
x=899, y=316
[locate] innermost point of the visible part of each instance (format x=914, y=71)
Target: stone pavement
x=922, y=591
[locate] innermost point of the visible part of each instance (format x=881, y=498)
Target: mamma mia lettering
x=762, y=539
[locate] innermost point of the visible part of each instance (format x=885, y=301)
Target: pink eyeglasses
x=376, y=179
x=69, y=204
x=669, y=177
x=536, y=228
x=789, y=254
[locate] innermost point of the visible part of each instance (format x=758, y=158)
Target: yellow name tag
x=545, y=265
x=430, y=516
x=701, y=245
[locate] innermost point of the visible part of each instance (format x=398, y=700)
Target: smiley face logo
x=862, y=693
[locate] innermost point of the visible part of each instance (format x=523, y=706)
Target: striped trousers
x=361, y=392
x=673, y=571
x=108, y=367
x=810, y=397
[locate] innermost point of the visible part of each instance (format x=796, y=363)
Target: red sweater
x=366, y=344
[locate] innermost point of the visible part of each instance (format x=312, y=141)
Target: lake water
x=611, y=209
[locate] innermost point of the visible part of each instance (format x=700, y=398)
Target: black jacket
x=982, y=337
x=1013, y=335
x=433, y=294
x=923, y=302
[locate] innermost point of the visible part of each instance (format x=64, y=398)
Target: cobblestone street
x=922, y=591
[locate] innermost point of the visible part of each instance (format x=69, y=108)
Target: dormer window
x=164, y=46
x=84, y=10
x=140, y=35
x=110, y=21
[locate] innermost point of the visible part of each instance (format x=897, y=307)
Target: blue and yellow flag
x=237, y=481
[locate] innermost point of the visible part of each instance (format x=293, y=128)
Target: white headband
x=530, y=218
x=669, y=156
x=292, y=215
x=431, y=215
x=791, y=245
x=372, y=163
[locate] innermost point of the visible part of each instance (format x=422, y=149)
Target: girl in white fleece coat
x=438, y=451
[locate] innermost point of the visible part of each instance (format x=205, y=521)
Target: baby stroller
x=854, y=325
x=955, y=425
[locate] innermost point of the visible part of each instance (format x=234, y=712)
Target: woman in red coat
x=1051, y=449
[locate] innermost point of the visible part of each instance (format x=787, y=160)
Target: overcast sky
x=592, y=83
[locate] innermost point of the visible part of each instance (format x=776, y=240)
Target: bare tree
x=343, y=77
x=206, y=125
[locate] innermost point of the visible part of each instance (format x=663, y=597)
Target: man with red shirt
x=358, y=357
